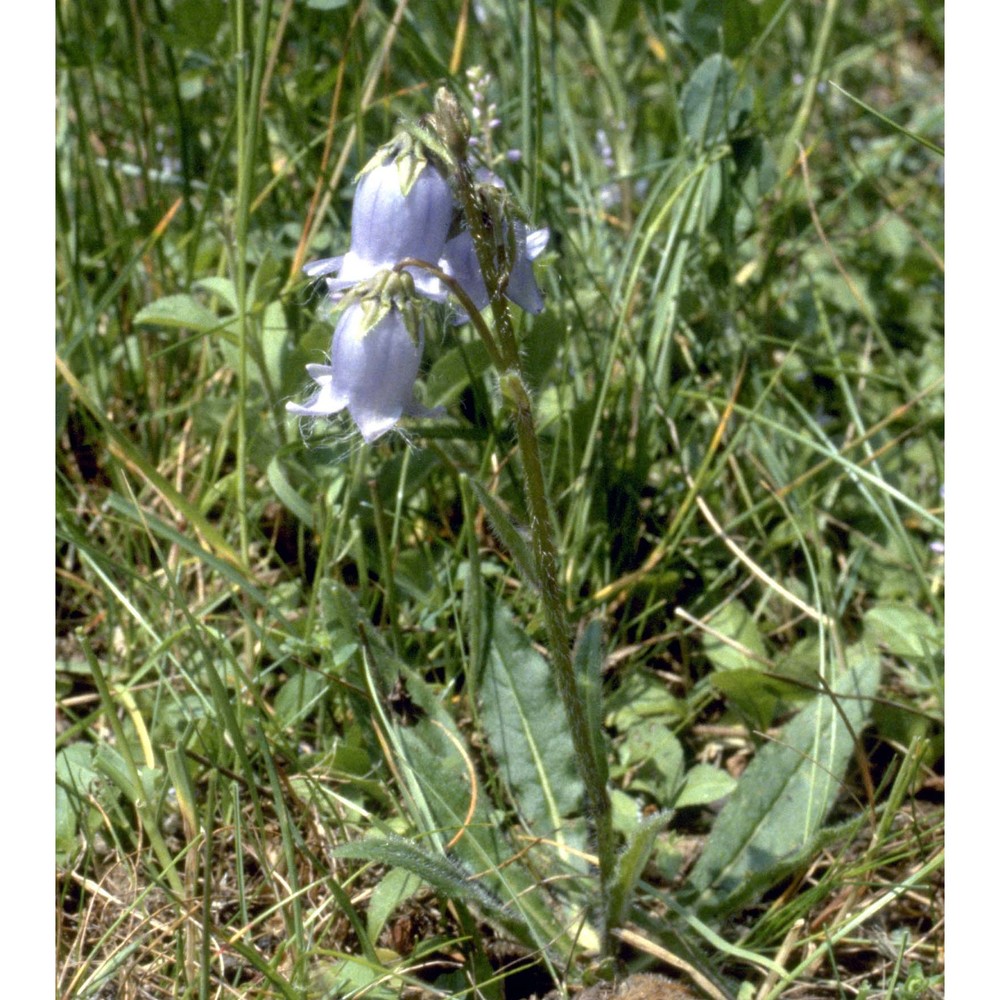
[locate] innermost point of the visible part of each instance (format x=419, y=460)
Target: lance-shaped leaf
x=512, y=538
x=437, y=870
x=631, y=863
x=784, y=795
x=527, y=729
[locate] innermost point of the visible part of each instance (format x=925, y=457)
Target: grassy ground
x=307, y=743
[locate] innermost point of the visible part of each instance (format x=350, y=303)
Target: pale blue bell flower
x=372, y=370
x=403, y=207
x=460, y=262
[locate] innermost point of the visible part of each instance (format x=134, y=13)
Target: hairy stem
x=543, y=540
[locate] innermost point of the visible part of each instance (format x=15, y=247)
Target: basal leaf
x=447, y=800
x=903, y=630
x=704, y=784
x=783, y=798
x=755, y=693
x=221, y=287
x=75, y=775
x=654, y=759
x=298, y=697
x=438, y=775
x=734, y=622
x=447, y=877
x=526, y=726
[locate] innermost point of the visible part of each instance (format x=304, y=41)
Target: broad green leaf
x=541, y=344
x=287, y=493
x=708, y=24
x=180, y=312
x=903, y=630
x=221, y=287
x=274, y=342
x=264, y=281
x=75, y=775
x=783, y=797
x=196, y=22
x=66, y=827
x=734, y=622
x=626, y=812
x=75, y=767
x=527, y=730
x=453, y=371
x=704, y=784
x=588, y=661
x=654, y=757
x=352, y=976
x=713, y=103
x=109, y=763
x=756, y=694
x=298, y=697
x=642, y=696
x=394, y=889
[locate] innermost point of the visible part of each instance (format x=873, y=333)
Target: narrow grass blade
x=895, y=126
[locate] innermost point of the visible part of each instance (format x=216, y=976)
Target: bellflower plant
x=418, y=191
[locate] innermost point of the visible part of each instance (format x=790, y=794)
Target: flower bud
x=451, y=124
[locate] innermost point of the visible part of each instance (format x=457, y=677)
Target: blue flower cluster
x=403, y=208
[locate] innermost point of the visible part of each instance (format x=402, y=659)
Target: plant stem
x=557, y=628
x=790, y=148
x=543, y=542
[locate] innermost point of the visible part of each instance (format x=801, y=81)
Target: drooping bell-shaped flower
x=374, y=360
x=460, y=261
x=403, y=207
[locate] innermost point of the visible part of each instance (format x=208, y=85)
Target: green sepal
x=379, y=295
x=410, y=150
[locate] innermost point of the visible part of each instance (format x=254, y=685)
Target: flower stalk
x=557, y=628
x=484, y=227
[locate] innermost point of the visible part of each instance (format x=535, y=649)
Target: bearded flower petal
x=326, y=401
